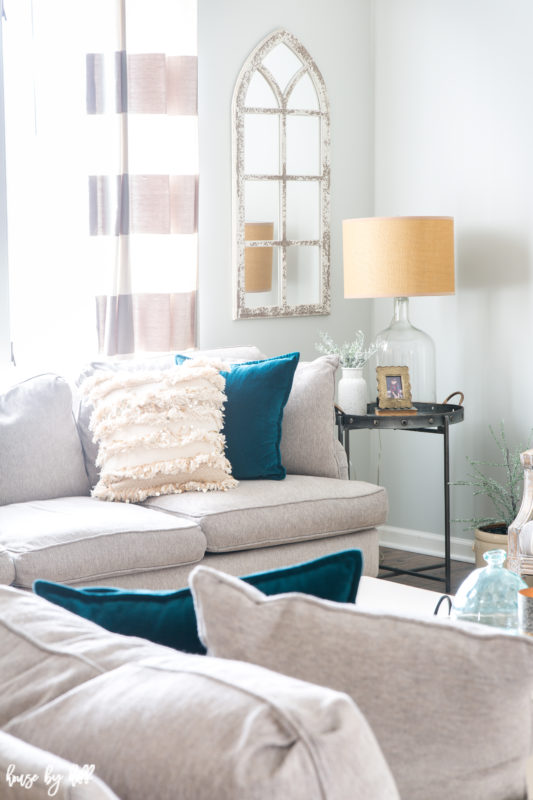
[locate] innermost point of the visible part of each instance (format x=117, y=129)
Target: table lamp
x=401, y=257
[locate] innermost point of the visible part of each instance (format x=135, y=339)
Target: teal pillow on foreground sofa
x=168, y=617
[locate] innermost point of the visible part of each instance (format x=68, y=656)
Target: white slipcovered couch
x=51, y=528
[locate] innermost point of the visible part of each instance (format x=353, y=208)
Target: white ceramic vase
x=351, y=391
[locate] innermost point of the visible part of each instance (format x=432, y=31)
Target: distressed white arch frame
x=253, y=64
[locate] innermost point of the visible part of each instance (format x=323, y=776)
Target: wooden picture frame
x=394, y=388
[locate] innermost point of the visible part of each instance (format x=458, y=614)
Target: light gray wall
x=453, y=135
x=337, y=34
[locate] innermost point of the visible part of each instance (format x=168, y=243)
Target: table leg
x=347, y=450
x=447, y=547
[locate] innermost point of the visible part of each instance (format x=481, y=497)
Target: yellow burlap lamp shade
x=398, y=256
x=401, y=257
x=258, y=260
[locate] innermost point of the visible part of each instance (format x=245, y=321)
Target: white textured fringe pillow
x=158, y=432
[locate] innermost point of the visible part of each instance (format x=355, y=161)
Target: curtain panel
x=141, y=98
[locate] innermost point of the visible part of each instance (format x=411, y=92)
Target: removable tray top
x=429, y=415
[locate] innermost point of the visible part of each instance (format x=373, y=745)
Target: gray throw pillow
x=450, y=704
x=309, y=442
x=40, y=448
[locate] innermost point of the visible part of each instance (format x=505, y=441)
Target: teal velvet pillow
x=257, y=392
x=168, y=617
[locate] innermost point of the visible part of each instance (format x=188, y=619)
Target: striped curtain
x=143, y=185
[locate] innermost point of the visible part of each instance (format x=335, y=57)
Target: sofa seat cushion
x=170, y=724
x=262, y=513
x=73, y=539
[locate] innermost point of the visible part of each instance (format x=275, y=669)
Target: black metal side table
x=430, y=418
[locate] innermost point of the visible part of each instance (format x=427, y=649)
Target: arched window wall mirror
x=281, y=179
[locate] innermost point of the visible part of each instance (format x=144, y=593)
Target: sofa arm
x=27, y=771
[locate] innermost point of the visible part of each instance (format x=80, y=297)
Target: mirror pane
x=303, y=145
x=283, y=64
x=261, y=266
x=281, y=191
x=259, y=94
x=303, y=210
x=261, y=144
x=304, y=95
x=303, y=275
x=261, y=202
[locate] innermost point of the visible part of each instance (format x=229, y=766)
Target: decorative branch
x=351, y=354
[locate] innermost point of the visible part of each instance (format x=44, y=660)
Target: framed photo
x=394, y=387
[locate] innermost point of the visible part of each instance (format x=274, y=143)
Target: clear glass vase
x=490, y=595
x=403, y=345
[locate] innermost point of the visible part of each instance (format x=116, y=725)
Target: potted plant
x=351, y=389
x=505, y=494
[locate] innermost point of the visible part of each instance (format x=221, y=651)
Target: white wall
x=454, y=136
x=338, y=36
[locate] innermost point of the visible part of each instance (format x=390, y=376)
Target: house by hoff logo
x=53, y=780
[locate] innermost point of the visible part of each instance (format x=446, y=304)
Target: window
x=101, y=197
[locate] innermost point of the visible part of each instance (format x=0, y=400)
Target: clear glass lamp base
x=403, y=345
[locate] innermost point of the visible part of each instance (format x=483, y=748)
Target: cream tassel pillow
x=158, y=432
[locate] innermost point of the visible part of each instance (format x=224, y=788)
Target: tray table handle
x=461, y=395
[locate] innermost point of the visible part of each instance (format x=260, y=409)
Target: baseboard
x=431, y=544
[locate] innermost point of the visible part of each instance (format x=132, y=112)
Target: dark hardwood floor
x=405, y=560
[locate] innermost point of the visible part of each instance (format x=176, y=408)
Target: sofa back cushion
x=51, y=645
x=450, y=704
x=166, y=724
x=40, y=449
x=309, y=442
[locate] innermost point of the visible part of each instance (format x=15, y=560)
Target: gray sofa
x=326, y=700
x=51, y=528
x=134, y=720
